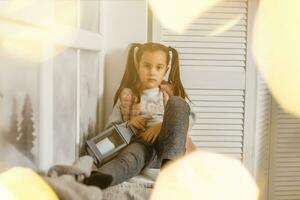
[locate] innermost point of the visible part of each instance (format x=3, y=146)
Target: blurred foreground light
x=227, y=25
x=30, y=44
x=276, y=50
x=27, y=50
x=203, y=175
x=176, y=15
x=29, y=28
x=24, y=184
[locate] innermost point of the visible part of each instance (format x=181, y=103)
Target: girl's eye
x=159, y=67
x=146, y=65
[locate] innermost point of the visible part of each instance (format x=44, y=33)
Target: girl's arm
x=151, y=134
x=118, y=113
x=115, y=115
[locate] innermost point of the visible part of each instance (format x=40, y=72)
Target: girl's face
x=152, y=68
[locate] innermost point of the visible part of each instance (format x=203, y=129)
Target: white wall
x=125, y=21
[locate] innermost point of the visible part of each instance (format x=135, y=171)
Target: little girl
x=155, y=107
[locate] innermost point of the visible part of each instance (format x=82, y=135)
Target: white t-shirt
x=151, y=107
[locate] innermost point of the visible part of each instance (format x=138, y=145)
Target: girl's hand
x=189, y=145
x=129, y=104
x=126, y=100
x=168, y=91
x=138, y=122
x=151, y=134
x=167, y=88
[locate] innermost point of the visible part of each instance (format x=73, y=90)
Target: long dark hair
x=131, y=79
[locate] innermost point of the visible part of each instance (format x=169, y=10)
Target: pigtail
x=174, y=76
x=130, y=77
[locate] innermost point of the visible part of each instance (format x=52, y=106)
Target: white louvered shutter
x=285, y=156
x=262, y=137
x=213, y=70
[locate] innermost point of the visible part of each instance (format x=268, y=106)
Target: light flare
x=27, y=28
x=230, y=23
x=22, y=183
x=276, y=50
x=176, y=15
x=204, y=175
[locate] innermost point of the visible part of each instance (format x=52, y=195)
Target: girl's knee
x=176, y=102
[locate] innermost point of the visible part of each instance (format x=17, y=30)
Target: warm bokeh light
x=203, y=175
x=24, y=184
x=26, y=10
x=276, y=50
x=29, y=27
x=30, y=44
x=176, y=15
x=226, y=26
x=23, y=49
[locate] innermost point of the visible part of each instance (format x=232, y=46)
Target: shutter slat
x=204, y=39
x=231, y=16
x=213, y=57
x=218, y=103
x=230, y=63
x=216, y=92
x=240, y=22
x=238, y=34
x=237, y=4
x=228, y=10
x=211, y=51
x=288, y=188
x=217, y=98
x=219, y=127
x=217, y=138
x=219, y=45
x=219, y=121
x=213, y=27
x=288, y=173
x=217, y=132
x=289, y=135
x=219, y=115
x=290, y=130
x=287, y=126
x=223, y=150
x=219, y=109
x=218, y=144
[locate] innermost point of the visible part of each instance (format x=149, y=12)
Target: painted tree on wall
x=27, y=129
x=91, y=129
x=13, y=133
x=90, y=132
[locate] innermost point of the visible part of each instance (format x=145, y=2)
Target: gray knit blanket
x=66, y=180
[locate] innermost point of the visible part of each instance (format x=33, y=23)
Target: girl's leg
x=127, y=164
x=171, y=140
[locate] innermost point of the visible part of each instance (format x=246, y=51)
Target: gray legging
x=140, y=154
